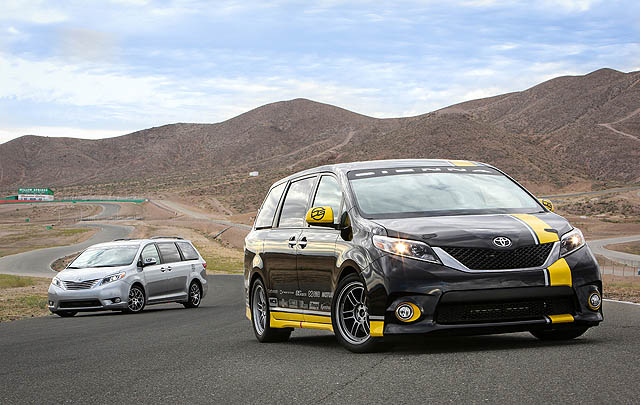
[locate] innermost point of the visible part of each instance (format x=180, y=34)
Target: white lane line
x=622, y=302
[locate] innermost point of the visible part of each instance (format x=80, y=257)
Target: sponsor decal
x=325, y=307
x=273, y=302
x=314, y=305
x=283, y=303
x=272, y=291
x=293, y=303
x=313, y=294
x=300, y=293
x=302, y=304
x=317, y=213
x=283, y=292
x=327, y=294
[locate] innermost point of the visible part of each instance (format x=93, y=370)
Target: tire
x=136, y=300
x=260, y=316
x=66, y=314
x=560, y=334
x=195, y=296
x=352, y=330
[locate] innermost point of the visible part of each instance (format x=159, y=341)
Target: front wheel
x=260, y=316
x=351, y=316
x=195, y=296
x=560, y=334
x=136, y=300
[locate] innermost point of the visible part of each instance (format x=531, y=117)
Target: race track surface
x=168, y=354
x=37, y=263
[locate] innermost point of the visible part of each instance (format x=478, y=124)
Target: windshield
x=431, y=191
x=110, y=256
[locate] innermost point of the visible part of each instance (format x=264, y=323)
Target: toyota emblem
x=502, y=241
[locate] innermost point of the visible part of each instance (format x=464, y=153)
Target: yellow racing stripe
x=564, y=318
x=538, y=227
x=462, y=163
x=560, y=273
x=376, y=327
x=248, y=313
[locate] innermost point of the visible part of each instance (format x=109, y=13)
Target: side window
x=329, y=194
x=268, y=210
x=295, y=203
x=169, y=252
x=188, y=251
x=150, y=251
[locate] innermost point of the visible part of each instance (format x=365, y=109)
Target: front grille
x=493, y=259
x=80, y=304
x=80, y=285
x=503, y=311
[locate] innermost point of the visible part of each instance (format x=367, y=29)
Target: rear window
x=188, y=251
x=169, y=252
x=268, y=210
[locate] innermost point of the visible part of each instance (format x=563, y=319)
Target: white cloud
x=33, y=11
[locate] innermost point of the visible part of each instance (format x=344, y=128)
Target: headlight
x=113, y=277
x=571, y=241
x=56, y=281
x=407, y=248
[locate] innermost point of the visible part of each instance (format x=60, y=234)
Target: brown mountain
x=575, y=131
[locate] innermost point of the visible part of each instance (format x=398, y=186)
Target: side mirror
x=149, y=261
x=320, y=216
x=547, y=203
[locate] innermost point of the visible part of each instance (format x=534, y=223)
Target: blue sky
x=104, y=68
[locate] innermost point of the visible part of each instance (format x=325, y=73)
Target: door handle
x=292, y=241
x=303, y=242
x=169, y=268
x=162, y=269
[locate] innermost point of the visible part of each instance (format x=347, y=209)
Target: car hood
x=479, y=230
x=90, y=273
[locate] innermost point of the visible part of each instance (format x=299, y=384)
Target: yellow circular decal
x=317, y=214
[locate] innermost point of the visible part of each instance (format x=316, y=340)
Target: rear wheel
x=136, y=300
x=260, y=317
x=66, y=314
x=560, y=334
x=351, y=316
x=195, y=296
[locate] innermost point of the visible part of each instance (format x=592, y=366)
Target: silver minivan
x=125, y=275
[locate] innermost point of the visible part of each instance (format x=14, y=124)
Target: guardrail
x=626, y=268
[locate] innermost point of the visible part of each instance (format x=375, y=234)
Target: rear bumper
x=100, y=298
x=455, y=301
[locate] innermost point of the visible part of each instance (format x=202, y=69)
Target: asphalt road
x=37, y=263
x=109, y=210
x=168, y=354
x=176, y=207
x=598, y=247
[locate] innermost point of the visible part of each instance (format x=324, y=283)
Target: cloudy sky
x=104, y=68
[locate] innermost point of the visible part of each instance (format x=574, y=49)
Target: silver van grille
x=80, y=285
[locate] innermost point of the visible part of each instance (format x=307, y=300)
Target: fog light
x=50, y=303
x=116, y=300
x=407, y=312
x=594, y=301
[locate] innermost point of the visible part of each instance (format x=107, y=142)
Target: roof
x=137, y=242
x=386, y=163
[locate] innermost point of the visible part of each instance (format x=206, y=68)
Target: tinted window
x=329, y=194
x=188, y=251
x=169, y=252
x=268, y=210
x=150, y=251
x=295, y=203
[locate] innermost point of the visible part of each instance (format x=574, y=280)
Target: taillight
x=204, y=264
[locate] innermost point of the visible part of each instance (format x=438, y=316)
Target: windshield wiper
x=109, y=265
x=73, y=267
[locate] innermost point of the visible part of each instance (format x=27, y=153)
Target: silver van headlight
x=113, y=277
x=405, y=247
x=571, y=241
x=58, y=283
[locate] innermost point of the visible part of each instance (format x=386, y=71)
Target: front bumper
x=98, y=298
x=451, y=300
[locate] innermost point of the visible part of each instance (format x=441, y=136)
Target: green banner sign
x=34, y=190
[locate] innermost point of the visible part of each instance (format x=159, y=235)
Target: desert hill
x=572, y=131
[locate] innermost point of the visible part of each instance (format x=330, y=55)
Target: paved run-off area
x=169, y=354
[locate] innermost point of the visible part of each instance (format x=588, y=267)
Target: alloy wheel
x=352, y=313
x=194, y=295
x=259, y=309
x=136, y=299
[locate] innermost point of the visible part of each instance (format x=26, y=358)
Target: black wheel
x=136, y=300
x=260, y=317
x=560, y=334
x=350, y=316
x=195, y=296
x=66, y=314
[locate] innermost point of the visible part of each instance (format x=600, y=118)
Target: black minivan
x=397, y=247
